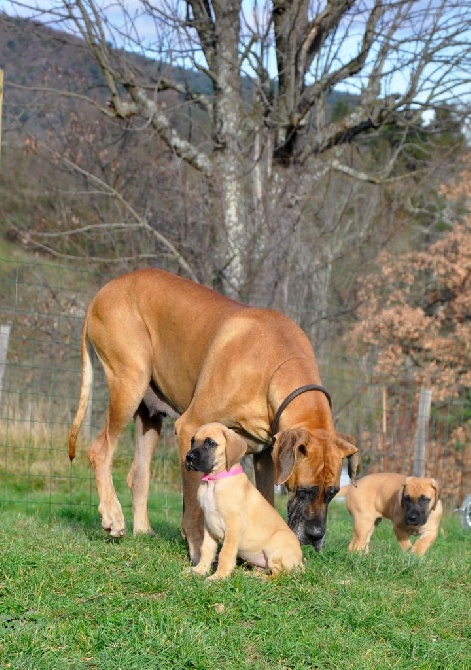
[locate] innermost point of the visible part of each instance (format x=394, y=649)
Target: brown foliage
x=415, y=313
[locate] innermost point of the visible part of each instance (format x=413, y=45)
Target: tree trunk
x=228, y=141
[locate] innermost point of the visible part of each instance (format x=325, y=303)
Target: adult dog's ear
x=288, y=445
x=348, y=448
x=236, y=447
x=438, y=491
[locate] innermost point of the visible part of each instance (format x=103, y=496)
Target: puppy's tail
x=86, y=385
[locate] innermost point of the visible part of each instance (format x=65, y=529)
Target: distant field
x=72, y=599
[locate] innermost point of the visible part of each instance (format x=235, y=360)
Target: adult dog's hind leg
x=126, y=390
x=147, y=434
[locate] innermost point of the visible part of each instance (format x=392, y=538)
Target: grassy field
x=70, y=598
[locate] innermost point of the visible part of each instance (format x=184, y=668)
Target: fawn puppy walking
x=412, y=503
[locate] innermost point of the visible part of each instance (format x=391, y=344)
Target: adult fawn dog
x=170, y=345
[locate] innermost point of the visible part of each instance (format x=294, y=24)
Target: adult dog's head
x=214, y=448
x=419, y=496
x=310, y=464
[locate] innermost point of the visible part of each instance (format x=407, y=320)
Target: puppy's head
x=214, y=448
x=419, y=496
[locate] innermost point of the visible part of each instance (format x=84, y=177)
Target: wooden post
x=1, y=107
x=421, y=434
x=384, y=427
x=4, y=337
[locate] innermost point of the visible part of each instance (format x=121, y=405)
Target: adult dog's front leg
x=192, y=519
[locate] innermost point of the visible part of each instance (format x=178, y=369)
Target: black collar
x=292, y=396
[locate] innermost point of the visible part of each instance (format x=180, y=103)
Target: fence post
x=1, y=107
x=421, y=434
x=4, y=337
x=384, y=428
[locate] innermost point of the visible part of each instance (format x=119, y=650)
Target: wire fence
x=41, y=313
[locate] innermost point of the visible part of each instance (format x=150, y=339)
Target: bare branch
x=159, y=121
x=64, y=94
x=352, y=67
x=141, y=222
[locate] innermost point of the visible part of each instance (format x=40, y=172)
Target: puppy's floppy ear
x=348, y=448
x=436, y=486
x=403, y=490
x=236, y=447
x=287, y=446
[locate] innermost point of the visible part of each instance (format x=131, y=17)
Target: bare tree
x=264, y=136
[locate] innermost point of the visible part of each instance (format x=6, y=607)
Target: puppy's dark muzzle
x=415, y=518
x=200, y=460
x=191, y=461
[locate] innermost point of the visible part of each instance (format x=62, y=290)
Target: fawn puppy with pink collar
x=235, y=512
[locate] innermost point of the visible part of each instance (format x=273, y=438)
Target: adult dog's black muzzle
x=307, y=514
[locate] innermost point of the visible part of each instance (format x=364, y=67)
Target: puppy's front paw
x=200, y=569
x=216, y=576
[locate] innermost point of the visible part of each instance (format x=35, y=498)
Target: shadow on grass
x=86, y=521
x=80, y=520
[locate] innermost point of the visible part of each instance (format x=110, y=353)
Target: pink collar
x=236, y=470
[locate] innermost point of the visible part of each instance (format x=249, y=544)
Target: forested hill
x=34, y=56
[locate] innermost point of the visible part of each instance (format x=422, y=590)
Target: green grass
x=70, y=598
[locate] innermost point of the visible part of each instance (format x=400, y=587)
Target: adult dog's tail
x=86, y=385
